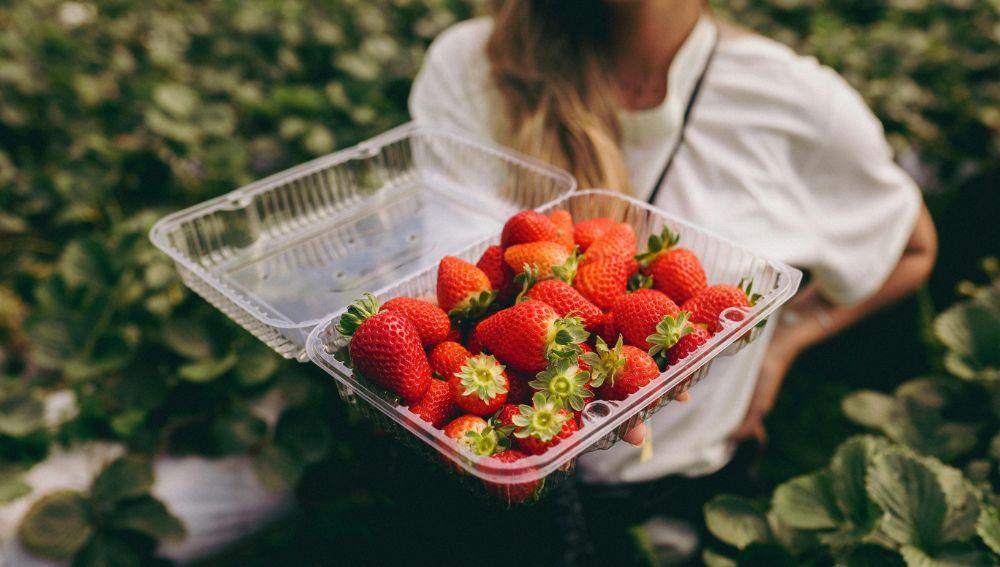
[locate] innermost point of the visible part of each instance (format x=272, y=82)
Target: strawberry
x=617, y=242
x=480, y=387
x=528, y=226
x=432, y=324
x=708, y=305
x=637, y=314
x=499, y=273
x=473, y=433
x=688, y=343
x=454, y=335
x=561, y=296
x=565, y=382
x=620, y=371
x=564, y=223
x=603, y=281
x=447, y=358
x=606, y=329
x=543, y=255
x=437, y=405
x=518, y=390
x=385, y=348
x=513, y=493
x=584, y=349
x=530, y=334
x=474, y=345
x=676, y=272
x=505, y=417
x=463, y=290
x=586, y=232
x=542, y=425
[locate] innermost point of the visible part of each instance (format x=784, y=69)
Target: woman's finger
x=636, y=435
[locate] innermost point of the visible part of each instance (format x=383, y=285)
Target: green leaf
x=988, y=527
x=870, y=555
x=21, y=411
x=713, y=559
x=12, y=485
x=256, y=364
x=148, y=516
x=736, y=521
x=176, y=99
x=848, y=472
x=235, y=434
x=971, y=332
x=123, y=478
x=911, y=497
x=208, y=370
x=187, y=338
x=870, y=409
x=955, y=556
x=107, y=551
x=807, y=502
x=277, y=468
x=304, y=433
x=56, y=525
x=85, y=262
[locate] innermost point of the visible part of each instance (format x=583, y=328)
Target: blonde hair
x=547, y=61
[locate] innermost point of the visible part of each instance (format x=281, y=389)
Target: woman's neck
x=646, y=35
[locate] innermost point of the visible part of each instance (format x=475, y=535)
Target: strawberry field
x=133, y=415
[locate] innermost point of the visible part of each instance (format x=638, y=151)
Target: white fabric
x=781, y=155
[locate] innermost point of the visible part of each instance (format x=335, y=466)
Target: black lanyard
x=684, y=121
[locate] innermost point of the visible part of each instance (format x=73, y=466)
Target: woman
x=730, y=130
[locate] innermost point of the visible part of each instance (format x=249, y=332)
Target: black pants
x=596, y=519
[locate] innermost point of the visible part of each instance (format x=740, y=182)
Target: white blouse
x=780, y=154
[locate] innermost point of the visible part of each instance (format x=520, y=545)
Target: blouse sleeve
x=450, y=88
x=863, y=205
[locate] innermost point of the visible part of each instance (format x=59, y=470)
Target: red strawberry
x=528, y=226
x=454, y=335
x=518, y=390
x=530, y=334
x=564, y=222
x=542, y=425
x=565, y=382
x=513, y=493
x=505, y=417
x=586, y=232
x=385, y=348
x=606, y=329
x=688, y=343
x=474, y=345
x=637, y=314
x=620, y=371
x=544, y=255
x=603, y=281
x=584, y=349
x=707, y=306
x=433, y=324
x=500, y=275
x=437, y=405
x=447, y=358
x=675, y=338
x=462, y=288
x=480, y=387
x=676, y=272
x=561, y=296
x=473, y=433
x=617, y=242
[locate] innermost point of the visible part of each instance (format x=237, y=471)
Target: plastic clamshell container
x=280, y=254
x=604, y=421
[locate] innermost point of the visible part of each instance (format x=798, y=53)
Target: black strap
x=684, y=121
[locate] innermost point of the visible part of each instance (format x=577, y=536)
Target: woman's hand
x=780, y=355
x=637, y=435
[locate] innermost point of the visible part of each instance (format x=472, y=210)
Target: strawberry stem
x=564, y=381
x=658, y=243
x=356, y=314
x=541, y=419
x=669, y=330
x=565, y=336
x=482, y=375
x=567, y=270
x=604, y=362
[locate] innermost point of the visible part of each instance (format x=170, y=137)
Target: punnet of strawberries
x=506, y=357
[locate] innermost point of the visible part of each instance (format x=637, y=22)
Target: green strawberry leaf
x=955, y=555
x=21, y=410
x=712, y=559
x=12, y=484
x=971, y=332
x=237, y=432
x=123, y=478
x=304, y=433
x=988, y=527
x=807, y=502
x=848, y=471
x=736, y=521
x=208, y=370
x=911, y=497
x=871, y=409
x=187, y=338
x=256, y=364
x=147, y=515
x=277, y=468
x=105, y=550
x=57, y=525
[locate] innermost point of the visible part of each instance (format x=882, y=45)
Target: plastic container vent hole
x=598, y=410
x=412, y=238
x=339, y=275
